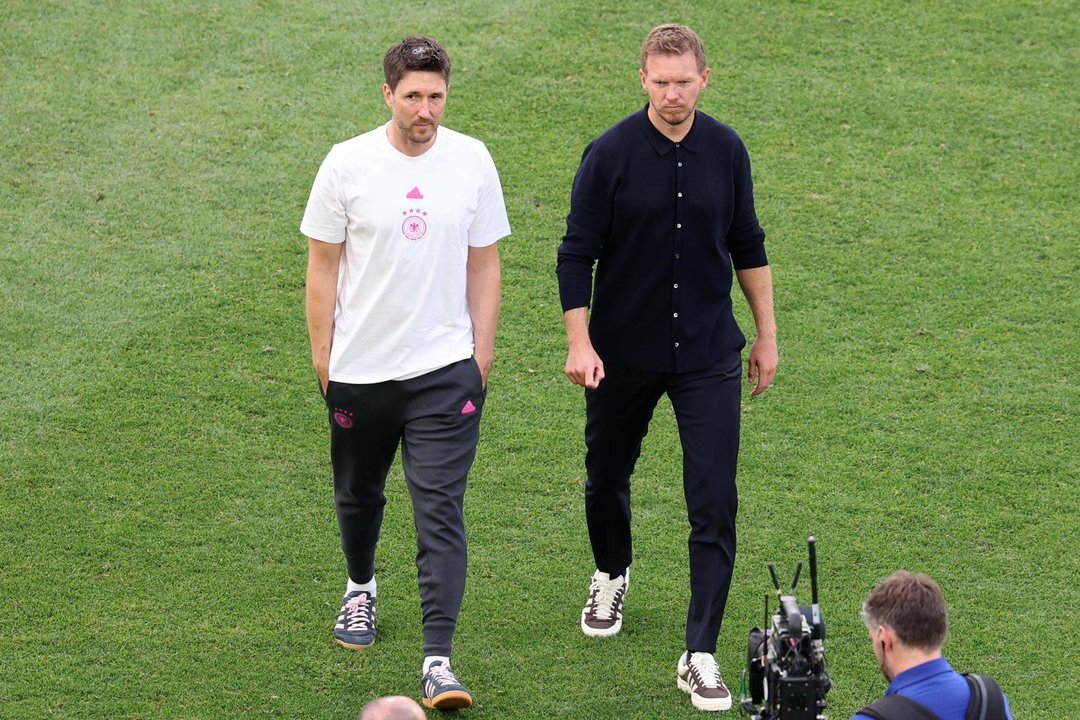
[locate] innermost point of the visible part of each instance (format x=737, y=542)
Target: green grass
x=168, y=547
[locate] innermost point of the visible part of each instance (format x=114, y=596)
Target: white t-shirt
x=407, y=224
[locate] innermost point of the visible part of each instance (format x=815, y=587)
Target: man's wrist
x=579, y=342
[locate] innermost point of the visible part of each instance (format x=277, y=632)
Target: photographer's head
x=907, y=621
x=396, y=707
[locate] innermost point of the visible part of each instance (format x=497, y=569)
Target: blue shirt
x=665, y=224
x=937, y=686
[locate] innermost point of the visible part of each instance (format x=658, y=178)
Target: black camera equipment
x=785, y=665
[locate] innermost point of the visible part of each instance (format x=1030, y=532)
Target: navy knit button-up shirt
x=665, y=223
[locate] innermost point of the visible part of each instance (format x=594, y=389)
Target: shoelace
x=441, y=675
x=707, y=671
x=358, y=612
x=604, y=592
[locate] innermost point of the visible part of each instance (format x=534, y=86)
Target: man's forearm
x=483, y=287
x=320, y=313
x=320, y=301
x=756, y=284
x=577, y=327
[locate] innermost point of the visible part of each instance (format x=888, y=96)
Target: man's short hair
x=395, y=707
x=673, y=40
x=912, y=606
x=415, y=53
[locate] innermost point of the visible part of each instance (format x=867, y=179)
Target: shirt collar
x=918, y=674
x=663, y=144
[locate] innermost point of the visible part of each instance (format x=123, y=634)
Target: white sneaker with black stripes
x=699, y=676
x=602, y=615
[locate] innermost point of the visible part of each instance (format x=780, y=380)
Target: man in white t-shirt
x=402, y=303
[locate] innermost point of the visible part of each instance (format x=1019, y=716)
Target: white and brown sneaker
x=602, y=615
x=699, y=676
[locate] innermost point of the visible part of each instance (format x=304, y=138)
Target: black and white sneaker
x=355, y=628
x=441, y=688
x=602, y=615
x=700, y=678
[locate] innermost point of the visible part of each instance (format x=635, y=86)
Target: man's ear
x=388, y=95
x=886, y=637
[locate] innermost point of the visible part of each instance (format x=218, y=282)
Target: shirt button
x=679, y=194
x=680, y=164
x=676, y=144
x=675, y=315
x=676, y=286
x=678, y=225
x=676, y=344
x=676, y=256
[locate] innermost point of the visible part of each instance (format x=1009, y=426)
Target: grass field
x=168, y=547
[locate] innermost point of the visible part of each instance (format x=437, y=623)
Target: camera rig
x=785, y=675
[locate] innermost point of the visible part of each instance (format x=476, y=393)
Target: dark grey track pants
x=436, y=420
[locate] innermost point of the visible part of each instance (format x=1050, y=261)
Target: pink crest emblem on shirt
x=469, y=408
x=415, y=194
x=414, y=227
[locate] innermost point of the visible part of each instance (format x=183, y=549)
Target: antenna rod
x=817, y=628
x=775, y=581
x=795, y=581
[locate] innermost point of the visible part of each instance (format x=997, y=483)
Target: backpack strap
x=987, y=700
x=898, y=707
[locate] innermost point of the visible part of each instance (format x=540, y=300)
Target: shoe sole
x=600, y=632
x=352, y=646
x=709, y=705
x=450, y=700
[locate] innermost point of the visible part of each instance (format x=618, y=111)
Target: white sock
x=432, y=658
x=368, y=587
x=625, y=577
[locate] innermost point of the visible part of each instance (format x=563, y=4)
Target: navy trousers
x=706, y=405
x=436, y=420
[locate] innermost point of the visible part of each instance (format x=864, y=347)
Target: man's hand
x=762, y=363
x=756, y=284
x=484, y=362
x=584, y=367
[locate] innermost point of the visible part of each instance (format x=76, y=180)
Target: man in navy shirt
x=663, y=206
x=907, y=621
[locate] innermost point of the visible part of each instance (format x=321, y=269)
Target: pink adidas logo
x=469, y=408
x=415, y=194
